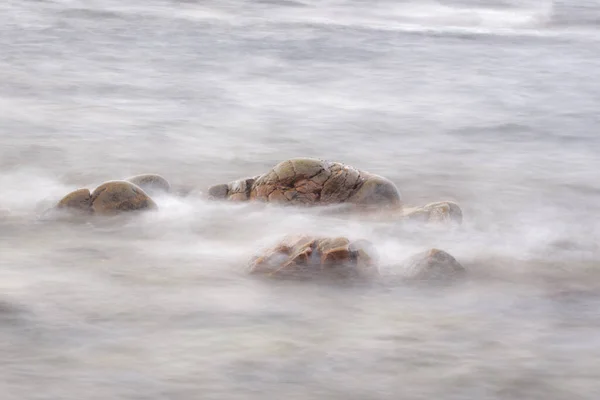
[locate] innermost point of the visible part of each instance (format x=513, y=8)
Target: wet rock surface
x=432, y=265
x=313, y=258
x=312, y=181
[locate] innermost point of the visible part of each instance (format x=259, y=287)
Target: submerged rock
x=308, y=257
x=432, y=265
x=109, y=198
x=312, y=181
x=151, y=183
x=443, y=212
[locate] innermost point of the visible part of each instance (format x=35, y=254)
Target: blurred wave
x=489, y=103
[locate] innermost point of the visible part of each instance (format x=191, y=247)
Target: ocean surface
x=493, y=104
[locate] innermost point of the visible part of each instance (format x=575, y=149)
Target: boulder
x=313, y=258
x=151, y=183
x=432, y=265
x=310, y=181
x=79, y=200
x=109, y=198
x=118, y=196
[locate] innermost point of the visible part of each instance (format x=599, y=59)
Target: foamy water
x=491, y=104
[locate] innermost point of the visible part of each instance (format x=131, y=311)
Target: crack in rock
x=315, y=182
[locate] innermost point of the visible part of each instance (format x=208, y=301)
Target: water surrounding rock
x=492, y=103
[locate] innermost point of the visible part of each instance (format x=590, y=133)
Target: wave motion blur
x=490, y=104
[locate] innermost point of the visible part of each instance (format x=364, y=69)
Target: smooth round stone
x=80, y=199
x=151, y=183
x=377, y=191
x=120, y=196
x=432, y=265
x=218, y=192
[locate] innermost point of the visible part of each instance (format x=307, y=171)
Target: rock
x=377, y=191
x=311, y=181
x=307, y=258
x=443, y=212
x=151, y=183
x=117, y=196
x=432, y=265
x=217, y=192
x=80, y=200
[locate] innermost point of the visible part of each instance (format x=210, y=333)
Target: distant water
x=493, y=104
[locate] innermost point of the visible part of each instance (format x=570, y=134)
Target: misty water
x=492, y=104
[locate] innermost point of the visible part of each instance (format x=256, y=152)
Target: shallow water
x=492, y=104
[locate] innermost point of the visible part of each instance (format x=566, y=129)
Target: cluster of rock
x=322, y=258
x=113, y=197
x=314, y=182
x=298, y=182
